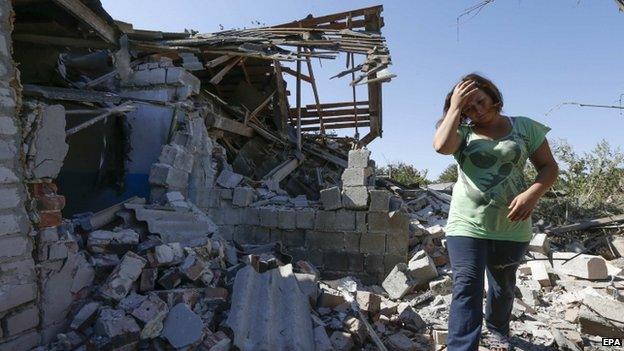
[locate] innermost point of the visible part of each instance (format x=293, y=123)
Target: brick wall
x=19, y=314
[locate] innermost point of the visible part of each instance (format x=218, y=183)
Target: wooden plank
x=333, y=17
x=60, y=41
x=317, y=100
x=217, y=77
x=91, y=19
x=294, y=74
x=327, y=113
x=335, y=104
x=281, y=94
x=335, y=119
x=231, y=126
x=336, y=126
x=283, y=170
x=219, y=60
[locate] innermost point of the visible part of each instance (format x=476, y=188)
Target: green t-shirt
x=490, y=175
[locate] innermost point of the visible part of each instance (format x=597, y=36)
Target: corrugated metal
x=174, y=226
x=269, y=311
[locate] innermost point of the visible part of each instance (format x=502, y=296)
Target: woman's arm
x=446, y=139
x=522, y=205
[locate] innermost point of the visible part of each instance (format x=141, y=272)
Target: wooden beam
x=336, y=126
x=336, y=119
x=231, y=126
x=335, y=104
x=586, y=224
x=281, y=94
x=295, y=74
x=60, y=41
x=125, y=107
x=219, y=60
x=283, y=170
x=217, y=77
x=91, y=19
x=317, y=100
x=327, y=113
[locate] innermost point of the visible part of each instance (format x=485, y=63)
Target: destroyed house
x=118, y=143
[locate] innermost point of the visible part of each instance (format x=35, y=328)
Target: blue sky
x=539, y=53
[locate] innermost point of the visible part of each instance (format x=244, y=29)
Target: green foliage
x=589, y=185
x=449, y=174
x=405, y=174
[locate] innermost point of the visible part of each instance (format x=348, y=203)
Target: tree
x=449, y=174
x=405, y=174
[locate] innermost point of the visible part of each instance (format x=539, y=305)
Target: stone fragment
x=151, y=313
x=243, y=196
x=440, y=336
x=602, y=316
x=539, y=273
x=193, y=267
x=166, y=176
x=583, y=266
x=85, y=316
x=421, y=268
x=355, y=197
x=229, y=179
x=436, y=231
x=540, y=243
x=409, y=316
x=368, y=302
x=188, y=296
x=148, y=279
x=357, y=328
x=120, y=280
x=182, y=327
x=400, y=342
x=341, y=341
x=441, y=286
x=117, y=328
x=167, y=254
x=104, y=241
x=388, y=307
x=331, y=198
x=171, y=278
x=330, y=299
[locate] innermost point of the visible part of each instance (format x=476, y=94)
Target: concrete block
x=379, y=201
x=440, y=337
x=409, y=316
x=374, y=243
x=355, y=198
x=23, y=320
x=352, y=242
x=357, y=177
x=540, y=243
x=331, y=198
x=7, y=176
x=268, y=217
x=398, y=283
x=49, y=143
x=293, y=238
x=9, y=198
x=226, y=194
x=287, y=219
x=374, y=264
x=338, y=261
x=442, y=285
x=181, y=77
x=421, y=268
x=392, y=260
x=305, y=218
x=317, y=240
x=167, y=176
x=251, y=216
x=14, y=295
x=368, y=302
x=177, y=157
x=104, y=241
x=193, y=267
x=345, y=220
x=120, y=280
x=243, y=196
x=602, y=316
x=325, y=220
x=261, y=235
x=397, y=243
x=359, y=158
x=7, y=126
x=9, y=224
x=539, y=273
x=232, y=216
x=584, y=266
x=229, y=179
x=117, y=328
x=13, y=247
x=361, y=225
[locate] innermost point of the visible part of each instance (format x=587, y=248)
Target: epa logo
x=612, y=342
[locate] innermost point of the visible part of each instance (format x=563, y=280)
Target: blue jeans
x=470, y=258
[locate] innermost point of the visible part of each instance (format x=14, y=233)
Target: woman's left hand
x=522, y=206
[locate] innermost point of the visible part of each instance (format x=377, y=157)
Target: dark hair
x=482, y=83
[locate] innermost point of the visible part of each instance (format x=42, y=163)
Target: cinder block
x=356, y=176
x=277, y=235
x=287, y=219
x=333, y=260
x=352, y=242
x=14, y=295
x=392, y=260
x=397, y=243
x=373, y=243
x=167, y=176
x=359, y=158
x=181, y=77
x=333, y=241
x=177, y=157
x=13, y=247
x=232, y=216
x=23, y=320
x=345, y=220
x=226, y=194
x=268, y=217
x=540, y=243
x=243, y=196
x=374, y=263
x=355, y=197
x=294, y=238
x=229, y=179
x=360, y=222
x=378, y=222
x=315, y=256
x=305, y=218
x=379, y=201
x=325, y=220
x=251, y=216
x=261, y=235
x=331, y=198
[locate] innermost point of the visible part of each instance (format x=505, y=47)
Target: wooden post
x=298, y=99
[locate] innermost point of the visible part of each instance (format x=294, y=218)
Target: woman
x=489, y=224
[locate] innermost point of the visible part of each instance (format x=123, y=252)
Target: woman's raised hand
x=463, y=93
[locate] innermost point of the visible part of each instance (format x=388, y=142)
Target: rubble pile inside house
x=181, y=202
